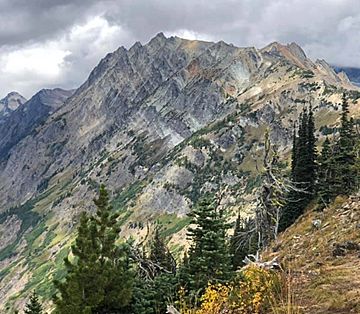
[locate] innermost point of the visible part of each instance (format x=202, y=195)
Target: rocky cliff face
x=158, y=124
x=24, y=119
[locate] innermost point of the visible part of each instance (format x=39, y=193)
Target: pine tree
x=183, y=275
x=303, y=170
x=153, y=296
x=338, y=170
x=235, y=249
x=100, y=278
x=301, y=149
x=160, y=254
x=305, y=167
x=356, y=167
x=294, y=153
x=311, y=153
x=345, y=156
x=156, y=283
x=326, y=173
x=209, y=256
x=33, y=306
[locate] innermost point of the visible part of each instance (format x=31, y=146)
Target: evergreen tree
x=305, y=150
x=100, y=278
x=156, y=283
x=356, y=167
x=303, y=170
x=294, y=153
x=33, y=306
x=160, y=254
x=183, y=275
x=311, y=155
x=338, y=170
x=299, y=173
x=209, y=256
x=153, y=296
x=326, y=173
x=235, y=250
x=345, y=155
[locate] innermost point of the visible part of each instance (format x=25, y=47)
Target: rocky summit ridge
x=158, y=124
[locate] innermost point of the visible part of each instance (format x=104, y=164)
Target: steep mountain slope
x=10, y=103
x=158, y=124
x=28, y=116
x=321, y=250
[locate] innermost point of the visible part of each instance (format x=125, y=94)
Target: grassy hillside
x=321, y=251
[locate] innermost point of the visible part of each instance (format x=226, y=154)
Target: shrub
x=256, y=291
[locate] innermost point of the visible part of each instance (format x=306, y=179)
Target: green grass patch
x=120, y=201
x=28, y=219
x=171, y=224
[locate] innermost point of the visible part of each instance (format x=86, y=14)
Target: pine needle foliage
x=33, y=306
x=100, y=277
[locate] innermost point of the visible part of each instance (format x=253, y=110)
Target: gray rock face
x=162, y=91
x=10, y=228
x=27, y=116
x=170, y=87
x=10, y=103
x=158, y=124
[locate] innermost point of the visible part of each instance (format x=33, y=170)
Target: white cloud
x=64, y=62
x=40, y=60
x=189, y=34
x=58, y=42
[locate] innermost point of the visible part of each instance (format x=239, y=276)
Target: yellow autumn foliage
x=215, y=300
x=254, y=293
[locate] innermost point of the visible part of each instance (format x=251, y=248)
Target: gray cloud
x=77, y=33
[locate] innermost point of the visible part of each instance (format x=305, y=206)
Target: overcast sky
x=56, y=43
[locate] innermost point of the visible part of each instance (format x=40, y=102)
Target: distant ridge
x=352, y=73
x=10, y=103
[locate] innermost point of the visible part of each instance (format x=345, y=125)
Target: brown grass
x=321, y=282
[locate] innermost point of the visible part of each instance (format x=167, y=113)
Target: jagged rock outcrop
x=168, y=88
x=158, y=124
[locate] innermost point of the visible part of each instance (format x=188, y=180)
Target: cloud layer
x=56, y=43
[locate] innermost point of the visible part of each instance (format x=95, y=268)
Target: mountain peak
x=54, y=97
x=160, y=35
x=158, y=39
x=13, y=93
x=135, y=46
x=297, y=50
x=273, y=46
x=280, y=48
x=11, y=102
x=292, y=52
